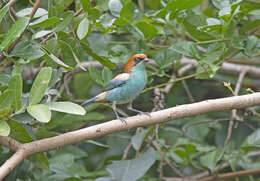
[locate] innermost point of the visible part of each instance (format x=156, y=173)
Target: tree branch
x=232, y=175
x=213, y=105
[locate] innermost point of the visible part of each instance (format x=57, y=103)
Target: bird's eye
x=137, y=59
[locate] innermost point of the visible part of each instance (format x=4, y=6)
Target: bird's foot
x=122, y=120
x=145, y=113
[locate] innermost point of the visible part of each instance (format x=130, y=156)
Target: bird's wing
x=118, y=81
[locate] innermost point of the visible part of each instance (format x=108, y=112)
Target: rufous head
x=135, y=60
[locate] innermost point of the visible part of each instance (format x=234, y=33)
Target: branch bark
x=213, y=105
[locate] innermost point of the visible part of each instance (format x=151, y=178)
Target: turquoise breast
x=131, y=89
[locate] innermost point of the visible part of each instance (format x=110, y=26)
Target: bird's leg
x=115, y=111
x=130, y=107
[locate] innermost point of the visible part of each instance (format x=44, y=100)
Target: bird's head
x=135, y=60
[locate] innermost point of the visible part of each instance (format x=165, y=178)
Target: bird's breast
x=130, y=90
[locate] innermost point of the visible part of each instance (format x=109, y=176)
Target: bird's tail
x=89, y=101
x=99, y=98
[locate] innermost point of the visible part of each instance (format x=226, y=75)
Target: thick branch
x=10, y=143
x=109, y=127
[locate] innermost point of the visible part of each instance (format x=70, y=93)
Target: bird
x=125, y=87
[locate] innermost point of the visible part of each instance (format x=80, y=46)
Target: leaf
x=40, y=85
x=66, y=19
x=16, y=30
x=95, y=75
x=166, y=57
x=27, y=11
x=3, y=11
x=115, y=7
x=41, y=34
x=131, y=170
x=67, y=107
x=127, y=11
x=107, y=75
x=4, y=128
x=15, y=87
x=27, y=51
x=252, y=141
x=82, y=29
x=211, y=159
x=61, y=5
x=138, y=139
x=148, y=30
x=187, y=48
x=40, y=112
x=255, y=12
x=177, y=5
x=192, y=22
x=6, y=101
x=85, y=4
x=97, y=143
x=19, y=132
x=4, y=78
x=57, y=60
x=44, y=21
x=103, y=60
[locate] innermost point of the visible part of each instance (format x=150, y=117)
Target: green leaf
x=40, y=112
x=40, y=85
x=115, y=7
x=166, y=57
x=41, y=34
x=211, y=159
x=15, y=87
x=66, y=19
x=19, y=132
x=138, y=139
x=132, y=170
x=41, y=161
x=187, y=48
x=127, y=11
x=27, y=11
x=107, y=75
x=192, y=23
x=27, y=51
x=148, y=30
x=44, y=21
x=4, y=128
x=3, y=11
x=95, y=75
x=97, y=143
x=6, y=101
x=85, y=4
x=177, y=5
x=57, y=60
x=255, y=12
x=82, y=29
x=61, y=5
x=16, y=30
x=4, y=78
x=67, y=107
x=103, y=60
x=252, y=141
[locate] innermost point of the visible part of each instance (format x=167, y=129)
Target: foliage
x=43, y=73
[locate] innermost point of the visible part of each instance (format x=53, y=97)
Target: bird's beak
x=146, y=60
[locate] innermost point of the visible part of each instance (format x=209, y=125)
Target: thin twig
x=126, y=151
x=234, y=115
x=78, y=12
x=36, y=5
x=166, y=159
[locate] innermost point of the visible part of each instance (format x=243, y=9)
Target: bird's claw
x=145, y=113
x=122, y=120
